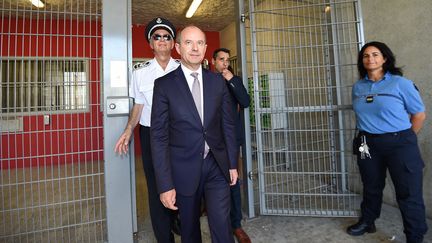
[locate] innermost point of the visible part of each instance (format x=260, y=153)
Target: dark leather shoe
x=241, y=236
x=360, y=228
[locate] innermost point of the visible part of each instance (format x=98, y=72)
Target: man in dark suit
x=193, y=141
x=241, y=100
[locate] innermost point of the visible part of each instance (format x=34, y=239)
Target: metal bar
x=247, y=150
x=117, y=168
x=55, y=228
x=31, y=185
x=78, y=13
x=301, y=161
x=256, y=100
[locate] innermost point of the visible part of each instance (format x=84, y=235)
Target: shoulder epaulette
x=141, y=65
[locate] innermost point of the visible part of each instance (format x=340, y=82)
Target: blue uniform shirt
x=385, y=106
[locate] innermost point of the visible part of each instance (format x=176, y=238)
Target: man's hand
x=168, y=199
x=227, y=74
x=122, y=145
x=233, y=176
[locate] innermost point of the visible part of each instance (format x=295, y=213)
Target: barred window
x=43, y=86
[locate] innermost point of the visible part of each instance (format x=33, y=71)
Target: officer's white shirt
x=142, y=83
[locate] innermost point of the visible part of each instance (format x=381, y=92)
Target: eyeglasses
x=159, y=37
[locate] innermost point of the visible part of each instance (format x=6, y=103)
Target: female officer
x=389, y=112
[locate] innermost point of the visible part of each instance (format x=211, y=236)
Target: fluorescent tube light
x=37, y=3
x=192, y=8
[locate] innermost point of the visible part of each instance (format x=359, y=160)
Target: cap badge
x=158, y=20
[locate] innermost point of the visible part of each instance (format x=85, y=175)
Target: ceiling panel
x=212, y=15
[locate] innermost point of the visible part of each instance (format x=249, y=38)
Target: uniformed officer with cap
x=160, y=34
x=159, y=23
x=389, y=112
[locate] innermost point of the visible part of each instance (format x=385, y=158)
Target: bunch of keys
x=364, y=148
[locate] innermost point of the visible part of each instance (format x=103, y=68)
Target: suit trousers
x=161, y=217
x=399, y=153
x=236, y=210
x=215, y=191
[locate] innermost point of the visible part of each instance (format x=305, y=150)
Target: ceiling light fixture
x=192, y=8
x=37, y=3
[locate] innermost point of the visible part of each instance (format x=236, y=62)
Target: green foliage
x=264, y=101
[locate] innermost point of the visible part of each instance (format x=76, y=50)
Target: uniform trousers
x=214, y=188
x=161, y=217
x=399, y=153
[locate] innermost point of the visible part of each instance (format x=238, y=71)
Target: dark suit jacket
x=177, y=134
x=241, y=100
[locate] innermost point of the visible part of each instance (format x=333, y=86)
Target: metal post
x=247, y=154
x=116, y=56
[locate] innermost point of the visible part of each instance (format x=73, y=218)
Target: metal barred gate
x=52, y=185
x=301, y=66
x=301, y=60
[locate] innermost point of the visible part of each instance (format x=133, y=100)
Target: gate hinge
x=252, y=175
x=242, y=17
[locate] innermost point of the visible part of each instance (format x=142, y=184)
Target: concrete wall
x=406, y=27
x=228, y=39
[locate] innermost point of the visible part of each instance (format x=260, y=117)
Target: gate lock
x=118, y=105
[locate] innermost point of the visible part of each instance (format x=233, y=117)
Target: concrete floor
x=53, y=203
x=278, y=229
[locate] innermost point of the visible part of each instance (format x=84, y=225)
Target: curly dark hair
x=388, y=66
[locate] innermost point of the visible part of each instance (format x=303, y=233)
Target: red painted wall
x=76, y=137
x=59, y=38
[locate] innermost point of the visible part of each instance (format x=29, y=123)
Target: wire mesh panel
x=302, y=67
x=52, y=177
